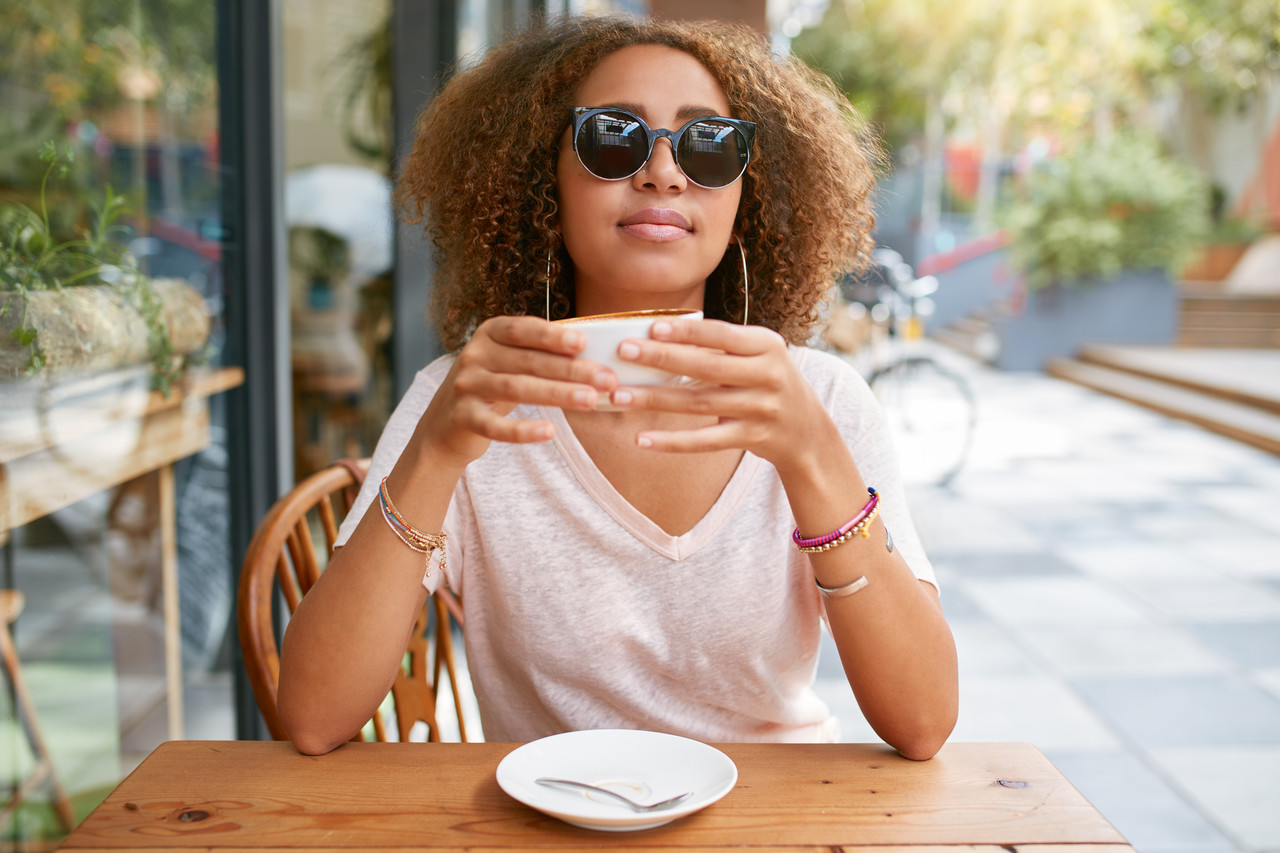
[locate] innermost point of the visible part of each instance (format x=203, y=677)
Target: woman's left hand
x=743, y=376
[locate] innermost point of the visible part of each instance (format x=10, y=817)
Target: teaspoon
x=640, y=807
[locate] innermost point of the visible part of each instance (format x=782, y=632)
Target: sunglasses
x=614, y=144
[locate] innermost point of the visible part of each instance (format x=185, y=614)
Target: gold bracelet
x=416, y=540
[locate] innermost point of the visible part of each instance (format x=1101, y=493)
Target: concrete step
x=1257, y=427
x=1248, y=377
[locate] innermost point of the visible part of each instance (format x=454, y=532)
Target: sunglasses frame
x=746, y=128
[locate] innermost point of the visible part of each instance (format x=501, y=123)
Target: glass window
x=338, y=216
x=113, y=467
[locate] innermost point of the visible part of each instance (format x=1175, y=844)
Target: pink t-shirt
x=581, y=613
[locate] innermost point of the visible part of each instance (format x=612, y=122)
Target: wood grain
x=261, y=795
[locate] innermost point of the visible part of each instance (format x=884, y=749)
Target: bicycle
x=879, y=321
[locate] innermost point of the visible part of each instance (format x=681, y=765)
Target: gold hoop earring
x=548, y=285
x=742, y=252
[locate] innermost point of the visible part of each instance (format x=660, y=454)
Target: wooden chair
x=11, y=603
x=283, y=560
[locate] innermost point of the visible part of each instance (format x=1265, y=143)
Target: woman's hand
x=509, y=361
x=745, y=378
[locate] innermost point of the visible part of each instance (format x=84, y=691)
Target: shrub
x=1106, y=207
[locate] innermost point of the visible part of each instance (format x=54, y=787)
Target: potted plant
x=1099, y=238
x=1225, y=243
x=76, y=303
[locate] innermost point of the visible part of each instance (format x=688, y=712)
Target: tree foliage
x=1056, y=66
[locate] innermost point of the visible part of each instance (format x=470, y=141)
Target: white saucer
x=645, y=766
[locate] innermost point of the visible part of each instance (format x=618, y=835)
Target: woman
x=665, y=565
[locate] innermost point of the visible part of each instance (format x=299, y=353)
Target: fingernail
x=573, y=340
x=603, y=379
x=644, y=441
x=622, y=398
x=628, y=351
x=583, y=398
x=661, y=328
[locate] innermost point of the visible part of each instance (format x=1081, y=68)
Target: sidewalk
x=1112, y=578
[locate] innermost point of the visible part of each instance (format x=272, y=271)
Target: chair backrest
x=284, y=560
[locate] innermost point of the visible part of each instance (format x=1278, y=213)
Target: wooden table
x=214, y=795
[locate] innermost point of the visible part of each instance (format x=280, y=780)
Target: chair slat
x=288, y=583
x=327, y=522
x=308, y=565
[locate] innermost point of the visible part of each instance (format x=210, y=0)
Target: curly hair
x=482, y=173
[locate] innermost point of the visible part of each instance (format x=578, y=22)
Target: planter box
x=93, y=328
x=1135, y=307
x=1215, y=262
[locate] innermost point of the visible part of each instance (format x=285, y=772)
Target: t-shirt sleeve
x=395, y=435
x=857, y=414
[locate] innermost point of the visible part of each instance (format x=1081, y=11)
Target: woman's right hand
x=509, y=361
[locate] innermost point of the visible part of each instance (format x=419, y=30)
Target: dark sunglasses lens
x=612, y=145
x=713, y=153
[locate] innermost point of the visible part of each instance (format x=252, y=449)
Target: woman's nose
x=661, y=171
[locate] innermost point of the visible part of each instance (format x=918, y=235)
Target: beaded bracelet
x=416, y=540
x=862, y=528
x=858, y=524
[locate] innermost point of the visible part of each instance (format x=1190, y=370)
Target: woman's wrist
x=820, y=463
x=425, y=476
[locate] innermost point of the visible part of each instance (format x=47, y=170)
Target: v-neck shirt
x=582, y=613
x=635, y=522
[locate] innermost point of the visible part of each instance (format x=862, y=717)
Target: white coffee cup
x=604, y=332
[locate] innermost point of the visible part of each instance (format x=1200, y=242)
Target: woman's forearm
x=894, y=643
x=347, y=638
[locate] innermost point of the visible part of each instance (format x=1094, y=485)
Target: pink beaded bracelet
x=858, y=524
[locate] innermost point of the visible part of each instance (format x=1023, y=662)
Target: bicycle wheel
x=931, y=414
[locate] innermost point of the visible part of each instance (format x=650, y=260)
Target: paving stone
x=1017, y=564
x=1244, y=557
x=1255, y=645
x=985, y=650
x=1206, y=599
x=1268, y=680
x=1134, y=559
x=1238, y=786
x=1150, y=814
x=1072, y=600
x=1210, y=710
x=1034, y=708
x=1253, y=505
x=1116, y=650
x=957, y=605
x=970, y=527
x=1204, y=529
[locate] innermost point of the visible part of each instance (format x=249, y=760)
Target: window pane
x=113, y=468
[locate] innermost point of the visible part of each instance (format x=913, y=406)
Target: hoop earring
x=548, y=280
x=742, y=252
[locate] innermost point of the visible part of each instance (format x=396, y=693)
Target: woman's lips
x=656, y=224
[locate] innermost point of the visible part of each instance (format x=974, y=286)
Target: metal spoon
x=640, y=807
